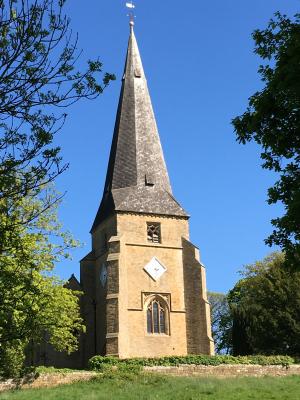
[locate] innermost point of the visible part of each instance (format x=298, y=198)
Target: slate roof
x=73, y=283
x=137, y=179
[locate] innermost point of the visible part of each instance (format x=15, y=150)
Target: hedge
x=100, y=363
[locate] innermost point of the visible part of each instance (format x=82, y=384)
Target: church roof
x=137, y=179
x=73, y=283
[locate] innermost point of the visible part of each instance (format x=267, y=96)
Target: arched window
x=157, y=317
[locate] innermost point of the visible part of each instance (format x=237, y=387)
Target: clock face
x=103, y=275
x=155, y=269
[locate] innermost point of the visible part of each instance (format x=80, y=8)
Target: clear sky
x=199, y=62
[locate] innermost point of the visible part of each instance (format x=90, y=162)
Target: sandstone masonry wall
x=227, y=371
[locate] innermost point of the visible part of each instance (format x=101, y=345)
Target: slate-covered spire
x=137, y=179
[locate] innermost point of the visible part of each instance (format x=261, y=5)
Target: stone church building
x=143, y=283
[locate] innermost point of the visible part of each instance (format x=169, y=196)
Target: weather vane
x=131, y=15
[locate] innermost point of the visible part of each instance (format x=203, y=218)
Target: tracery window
x=157, y=317
x=153, y=232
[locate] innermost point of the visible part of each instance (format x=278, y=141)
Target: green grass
x=150, y=387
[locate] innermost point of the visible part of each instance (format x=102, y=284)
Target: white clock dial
x=103, y=275
x=155, y=269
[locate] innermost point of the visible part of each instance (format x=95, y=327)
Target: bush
x=113, y=364
x=12, y=359
x=99, y=363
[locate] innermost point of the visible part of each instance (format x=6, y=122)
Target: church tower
x=144, y=285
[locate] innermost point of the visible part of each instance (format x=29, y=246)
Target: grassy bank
x=150, y=387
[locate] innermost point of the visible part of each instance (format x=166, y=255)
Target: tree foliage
x=32, y=300
x=38, y=81
x=265, y=309
x=272, y=120
x=38, y=78
x=220, y=320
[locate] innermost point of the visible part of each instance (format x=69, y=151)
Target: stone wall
x=95, y=299
x=220, y=371
x=198, y=324
x=47, y=380
x=137, y=287
x=227, y=371
x=121, y=306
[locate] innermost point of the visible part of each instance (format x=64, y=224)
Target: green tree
x=32, y=300
x=220, y=322
x=38, y=79
x=272, y=120
x=265, y=309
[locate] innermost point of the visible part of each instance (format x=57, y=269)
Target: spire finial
x=131, y=15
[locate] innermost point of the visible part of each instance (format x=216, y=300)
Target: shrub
x=113, y=368
x=12, y=359
x=96, y=363
x=99, y=363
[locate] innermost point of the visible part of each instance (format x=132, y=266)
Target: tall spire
x=137, y=178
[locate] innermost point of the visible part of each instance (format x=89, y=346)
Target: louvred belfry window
x=157, y=315
x=153, y=232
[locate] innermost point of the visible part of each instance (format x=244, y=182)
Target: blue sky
x=199, y=61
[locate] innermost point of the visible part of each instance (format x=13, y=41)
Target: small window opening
x=149, y=180
x=153, y=232
x=137, y=73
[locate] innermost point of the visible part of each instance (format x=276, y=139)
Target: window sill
x=157, y=335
